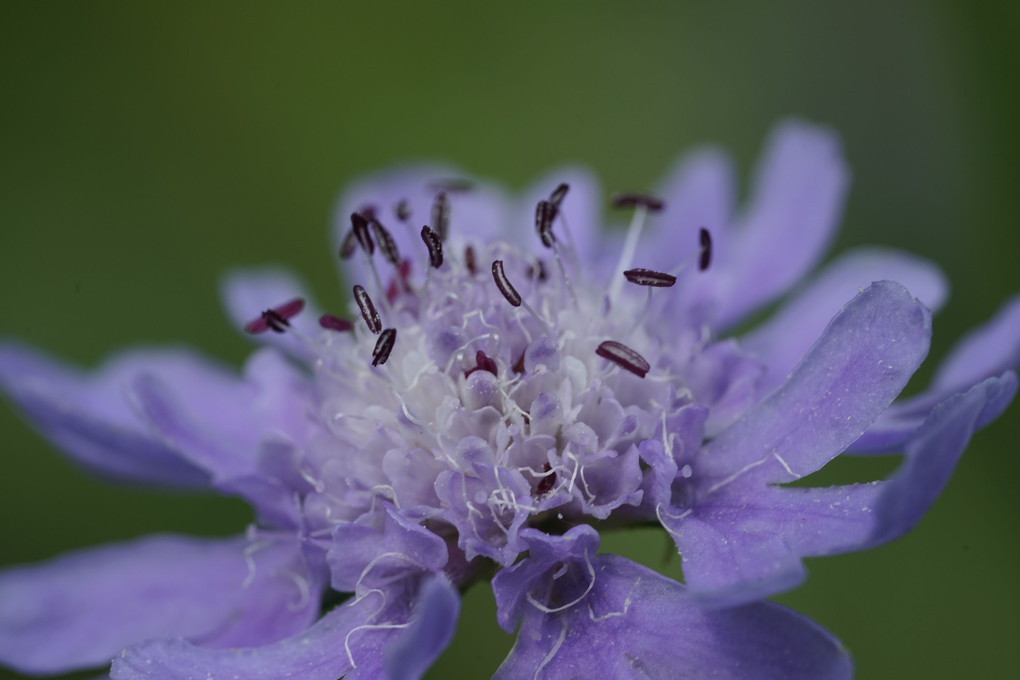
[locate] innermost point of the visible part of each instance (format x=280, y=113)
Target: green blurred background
x=144, y=149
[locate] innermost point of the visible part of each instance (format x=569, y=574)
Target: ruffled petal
x=782, y=340
x=639, y=624
x=351, y=641
x=90, y=415
x=795, y=206
x=246, y=293
x=862, y=361
x=985, y=352
x=80, y=609
x=362, y=557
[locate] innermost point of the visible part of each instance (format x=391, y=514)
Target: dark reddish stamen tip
x=538, y=270
x=368, y=310
x=650, y=277
x=624, y=357
x=349, y=245
x=360, y=225
x=441, y=215
x=632, y=200
x=469, y=260
x=705, y=239
x=383, y=346
x=545, y=212
x=335, y=323
x=546, y=483
x=277, y=318
x=402, y=210
x=386, y=243
x=483, y=363
x=504, y=285
x=367, y=211
x=558, y=194
x=435, y=246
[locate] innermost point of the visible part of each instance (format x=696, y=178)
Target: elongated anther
x=360, y=226
x=277, y=318
x=348, y=246
x=650, y=277
x=387, y=245
x=435, y=246
x=469, y=260
x=545, y=212
x=335, y=323
x=383, y=346
x=705, y=240
x=402, y=210
x=558, y=194
x=441, y=215
x=624, y=357
x=633, y=200
x=368, y=310
x=504, y=285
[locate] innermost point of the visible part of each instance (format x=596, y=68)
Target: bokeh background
x=144, y=149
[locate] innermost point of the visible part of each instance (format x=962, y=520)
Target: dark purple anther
x=402, y=210
x=383, y=346
x=349, y=245
x=483, y=363
x=503, y=283
x=706, y=249
x=545, y=212
x=632, y=200
x=360, y=225
x=650, y=277
x=441, y=215
x=335, y=323
x=624, y=357
x=277, y=318
x=558, y=194
x=435, y=246
x=368, y=311
x=387, y=245
x=546, y=484
x=469, y=260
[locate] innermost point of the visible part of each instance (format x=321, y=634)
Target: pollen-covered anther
x=545, y=212
x=360, y=225
x=650, y=277
x=635, y=200
x=705, y=241
x=277, y=318
x=368, y=310
x=504, y=285
x=435, y=246
x=441, y=215
x=624, y=357
x=335, y=323
x=387, y=245
x=383, y=346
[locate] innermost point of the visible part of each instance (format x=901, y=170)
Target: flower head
x=507, y=380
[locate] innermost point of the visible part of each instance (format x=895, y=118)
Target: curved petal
x=739, y=547
x=639, y=624
x=80, y=609
x=796, y=203
x=351, y=641
x=420, y=645
x=246, y=293
x=91, y=417
x=862, y=361
x=985, y=352
x=787, y=335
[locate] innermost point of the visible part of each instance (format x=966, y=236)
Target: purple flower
x=508, y=379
